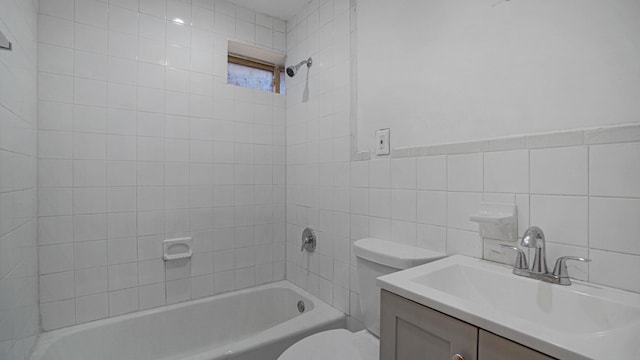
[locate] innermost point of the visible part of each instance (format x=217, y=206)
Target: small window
x=250, y=73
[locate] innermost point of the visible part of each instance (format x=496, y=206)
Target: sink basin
x=558, y=307
x=582, y=321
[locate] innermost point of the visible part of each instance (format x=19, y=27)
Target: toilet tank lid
x=392, y=254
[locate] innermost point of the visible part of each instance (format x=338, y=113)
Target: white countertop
x=581, y=321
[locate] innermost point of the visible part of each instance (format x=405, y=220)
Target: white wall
x=449, y=71
x=19, y=324
x=141, y=140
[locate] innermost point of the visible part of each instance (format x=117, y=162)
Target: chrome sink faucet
x=534, y=238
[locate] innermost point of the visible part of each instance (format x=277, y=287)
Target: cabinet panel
x=410, y=331
x=493, y=347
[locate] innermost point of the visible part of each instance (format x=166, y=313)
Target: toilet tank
x=374, y=258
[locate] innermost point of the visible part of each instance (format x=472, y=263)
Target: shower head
x=292, y=70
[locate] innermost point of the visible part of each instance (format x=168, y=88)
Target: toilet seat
x=336, y=345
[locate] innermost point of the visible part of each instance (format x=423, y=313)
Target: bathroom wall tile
x=432, y=173
x=152, y=296
x=614, y=170
x=157, y=8
x=121, y=251
x=379, y=173
x=506, y=171
x=123, y=276
x=55, y=59
x=90, y=254
x=92, y=307
x=91, y=12
x=58, y=286
x=89, y=227
x=464, y=242
x=612, y=269
x=403, y=205
x=90, y=65
x=178, y=10
x=127, y=4
x=523, y=208
x=379, y=200
x=58, y=8
x=55, y=115
x=432, y=207
x=577, y=270
x=55, y=31
x=432, y=237
x=55, y=201
x=90, y=119
x=460, y=206
x=123, y=45
x=123, y=20
x=613, y=224
x=55, y=230
x=55, y=258
x=57, y=314
x=91, y=281
x=178, y=290
x=403, y=173
x=360, y=201
x=464, y=172
x=90, y=146
x=403, y=232
x=55, y=173
x=90, y=38
x=563, y=218
x=89, y=173
x=123, y=301
x=561, y=171
x=360, y=174
x=89, y=200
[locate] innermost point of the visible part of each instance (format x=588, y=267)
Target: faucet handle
x=560, y=269
x=521, y=258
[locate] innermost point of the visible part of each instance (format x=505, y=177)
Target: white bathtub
x=252, y=324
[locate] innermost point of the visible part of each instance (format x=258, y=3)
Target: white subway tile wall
x=19, y=310
x=142, y=140
x=585, y=197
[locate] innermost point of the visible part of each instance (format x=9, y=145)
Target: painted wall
x=141, y=140
x=19, y=324
x=580, y=186
x=451, y=71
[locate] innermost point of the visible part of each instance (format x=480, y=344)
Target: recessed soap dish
x=175, y=249
x=497, y=221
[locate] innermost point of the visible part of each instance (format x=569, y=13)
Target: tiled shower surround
x=19, y=314
x=141, y=140
x=581, y=187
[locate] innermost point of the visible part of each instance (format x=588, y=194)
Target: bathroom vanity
x=410, y=330
x=463, y=308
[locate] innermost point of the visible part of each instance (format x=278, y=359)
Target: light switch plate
x=382, y=142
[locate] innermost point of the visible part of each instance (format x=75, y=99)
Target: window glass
x=249, y=77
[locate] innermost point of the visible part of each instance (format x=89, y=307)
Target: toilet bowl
x=374, y=258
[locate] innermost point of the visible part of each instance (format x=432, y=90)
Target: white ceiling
x=282, y=9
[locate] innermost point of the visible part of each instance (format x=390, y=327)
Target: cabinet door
x=410, y=331
x=493, y=347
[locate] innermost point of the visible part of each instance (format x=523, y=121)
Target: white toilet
x=374, y=258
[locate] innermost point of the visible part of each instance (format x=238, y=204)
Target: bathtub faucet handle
x=308, y=240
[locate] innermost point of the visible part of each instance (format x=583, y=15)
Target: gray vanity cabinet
x=493, y=347
x=410, y=331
